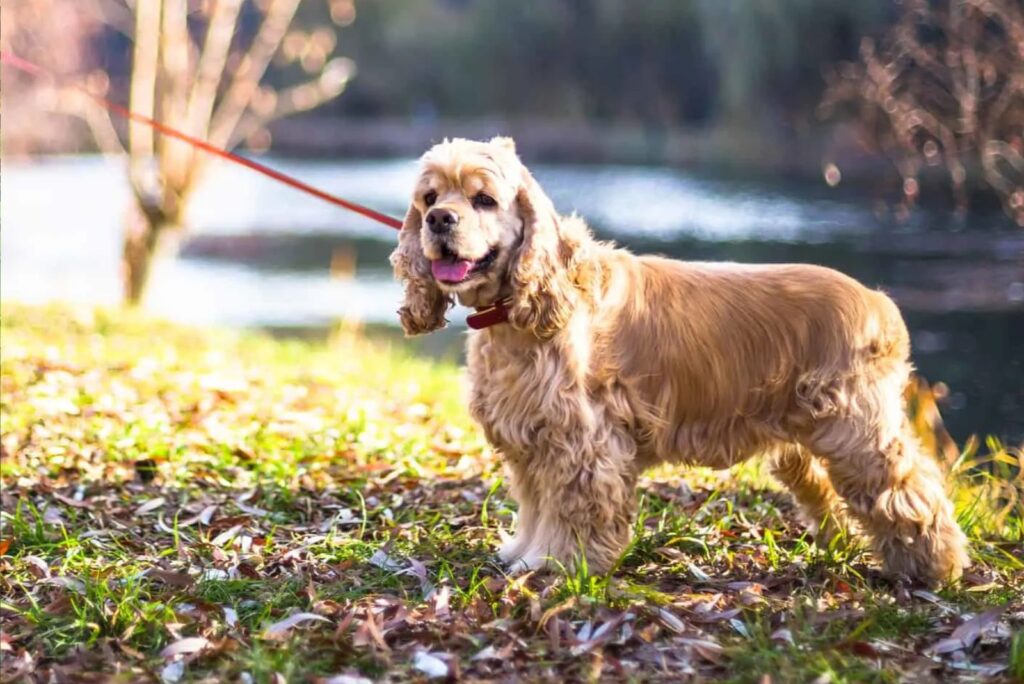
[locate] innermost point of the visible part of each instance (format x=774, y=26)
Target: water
x=260, y=254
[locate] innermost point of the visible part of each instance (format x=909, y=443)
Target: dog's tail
x=888, y=341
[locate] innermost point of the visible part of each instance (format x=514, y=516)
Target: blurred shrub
x=943, y=88
x=656, y=63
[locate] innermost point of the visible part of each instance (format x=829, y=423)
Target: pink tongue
x=451, y=271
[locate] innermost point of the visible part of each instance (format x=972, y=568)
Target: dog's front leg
x=576, y=506
x=515, y=547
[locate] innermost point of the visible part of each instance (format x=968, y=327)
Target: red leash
x=39, y=72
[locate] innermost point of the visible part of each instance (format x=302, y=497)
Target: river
x=263, y=256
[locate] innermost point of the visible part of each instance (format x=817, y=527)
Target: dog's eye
x=430, y=198
x=483, y=200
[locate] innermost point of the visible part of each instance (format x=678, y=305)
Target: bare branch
x=299, y=98
x=952, y=94
x=212, y=61
x=74, y=102
x=250, y=72
x=214, y=56
x=144, y=71
x=174, y=156
x=997, y=152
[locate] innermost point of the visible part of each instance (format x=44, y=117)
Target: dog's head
x=480, y=229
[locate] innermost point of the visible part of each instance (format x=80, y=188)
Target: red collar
x=491, y=315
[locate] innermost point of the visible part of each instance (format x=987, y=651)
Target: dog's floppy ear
x=543, y=291
x=425, y=304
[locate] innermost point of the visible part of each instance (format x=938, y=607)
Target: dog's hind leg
x=807, y=480
x=894, y=490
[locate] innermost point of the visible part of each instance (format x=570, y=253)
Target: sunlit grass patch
x=203, y=504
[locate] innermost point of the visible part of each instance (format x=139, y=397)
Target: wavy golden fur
x=611, y=363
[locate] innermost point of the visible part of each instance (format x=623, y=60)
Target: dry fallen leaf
x=343, y=679
x=59, y=606
x=226, y=536
x=369, y=632
x=168, y=577
x=706, y=649
x=697, y=573
x=592, y=638
x=934, y=599
x=279, y=630
x=964, y=636
x=53, y=516
x=430, y=665
x=72, y=583
x=172, y=672
x=671, y=621
x=204, y=517
x=419, y=571
x=717, y=615
x=382, y=560
x=740, y=628
x=486, y=653
x=186, y=646
x=251, y=510
x=37, y=566
x=864, y=648
x=440, y=602
x=150, y=506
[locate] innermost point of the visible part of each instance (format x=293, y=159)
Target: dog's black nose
x=442, y=220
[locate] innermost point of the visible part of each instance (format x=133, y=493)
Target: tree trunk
x=149, y=235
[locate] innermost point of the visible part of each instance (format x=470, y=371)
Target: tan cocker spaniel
x=609, y=363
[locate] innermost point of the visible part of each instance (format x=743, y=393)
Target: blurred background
x=882, y=138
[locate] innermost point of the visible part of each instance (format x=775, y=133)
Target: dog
x=609, y=363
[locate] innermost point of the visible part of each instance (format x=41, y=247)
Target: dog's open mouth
x=452, y=269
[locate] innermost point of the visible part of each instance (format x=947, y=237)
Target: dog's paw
x=934, y=556
x=516, y=553
x=517, y=566
x=512, y=547
x=527, y=562
x=830, y=533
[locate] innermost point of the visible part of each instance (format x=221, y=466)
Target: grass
x=172, y=496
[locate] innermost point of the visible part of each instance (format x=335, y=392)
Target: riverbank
x=753, y=152
x=724, y=149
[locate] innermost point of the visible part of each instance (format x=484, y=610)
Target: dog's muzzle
x=441, y=221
